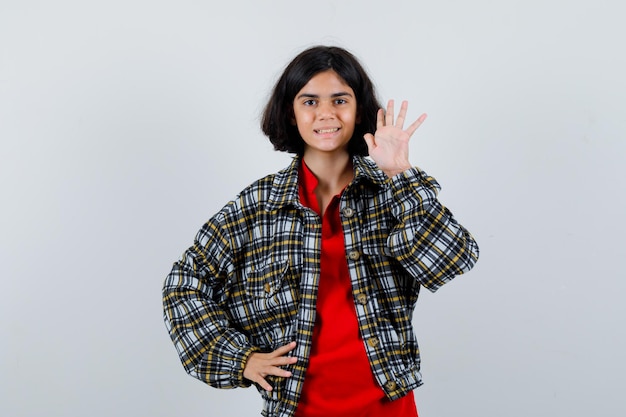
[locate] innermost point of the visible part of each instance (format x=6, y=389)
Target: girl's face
x=325, y=113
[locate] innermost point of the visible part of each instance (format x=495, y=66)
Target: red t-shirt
x=338, y=380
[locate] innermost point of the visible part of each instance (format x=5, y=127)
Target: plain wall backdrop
x=125, y=125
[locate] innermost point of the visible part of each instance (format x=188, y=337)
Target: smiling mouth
x=325, y=131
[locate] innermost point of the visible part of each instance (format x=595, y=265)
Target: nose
x=325, y=110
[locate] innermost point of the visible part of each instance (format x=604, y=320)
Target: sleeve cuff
x=413, y=190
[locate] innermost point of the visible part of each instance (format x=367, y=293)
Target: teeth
x=328, y=130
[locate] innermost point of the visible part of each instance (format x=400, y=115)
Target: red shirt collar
x=307, y=182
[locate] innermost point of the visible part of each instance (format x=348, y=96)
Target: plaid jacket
x=249, y=281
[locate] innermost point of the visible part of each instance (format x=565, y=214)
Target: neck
x=333, y=172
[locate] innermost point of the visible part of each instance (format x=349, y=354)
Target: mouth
x=326, y=131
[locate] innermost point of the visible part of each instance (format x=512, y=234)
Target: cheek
x=302, y=119
x=352, y=118
x=300, y=124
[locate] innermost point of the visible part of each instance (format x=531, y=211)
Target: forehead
x=326, y=82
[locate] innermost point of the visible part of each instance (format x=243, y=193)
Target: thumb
x=369, y=141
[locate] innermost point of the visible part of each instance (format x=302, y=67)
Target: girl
x=305, y=283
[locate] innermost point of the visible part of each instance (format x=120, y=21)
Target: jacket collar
x=284, y=190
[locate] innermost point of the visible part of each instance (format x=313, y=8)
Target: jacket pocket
x=272, y=293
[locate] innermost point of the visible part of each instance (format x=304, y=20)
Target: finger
x=276, y=371
x=271, y=372
x=281, y=351
x=263, y=383
x=402, y=114
x=369, y=141
x=389, y=114
x=411, y=129
x=380, y=118
x=283, y=360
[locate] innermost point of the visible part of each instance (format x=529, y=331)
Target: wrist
x=395, y=171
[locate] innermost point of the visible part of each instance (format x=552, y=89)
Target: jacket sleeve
x=429, y=243
x=209, y=348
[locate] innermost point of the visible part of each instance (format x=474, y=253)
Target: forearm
x=208, y=347
x=428, y=241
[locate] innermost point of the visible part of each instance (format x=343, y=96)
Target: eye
x=340, y=101
x=309, y=102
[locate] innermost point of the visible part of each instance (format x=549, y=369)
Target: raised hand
x=260, y=365
x=389, y=145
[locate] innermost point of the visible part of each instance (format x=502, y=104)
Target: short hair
x=277, y=118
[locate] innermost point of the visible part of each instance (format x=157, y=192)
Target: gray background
x=124, y=125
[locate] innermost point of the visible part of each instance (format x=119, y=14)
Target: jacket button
x=267, y=288
x=391, y=386
x=373, y=341
x=348, y=212
x=361, y=298
x=354, y=255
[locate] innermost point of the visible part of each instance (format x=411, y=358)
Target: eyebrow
x=335, y=95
